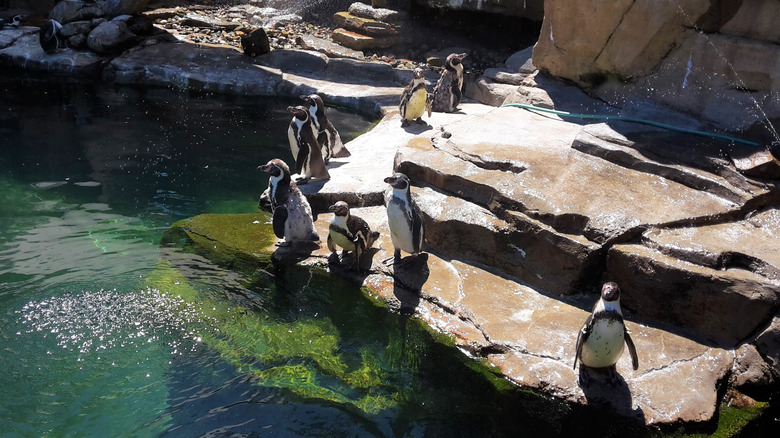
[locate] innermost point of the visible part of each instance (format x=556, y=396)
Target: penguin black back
x=49, y=37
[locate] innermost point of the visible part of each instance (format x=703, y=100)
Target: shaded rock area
x=526, y=214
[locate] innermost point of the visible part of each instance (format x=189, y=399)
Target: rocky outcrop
x=531, y=9
x=713, y=58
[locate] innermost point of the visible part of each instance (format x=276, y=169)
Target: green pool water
x=104, y=332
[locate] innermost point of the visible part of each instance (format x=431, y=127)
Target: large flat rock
x=529, y=335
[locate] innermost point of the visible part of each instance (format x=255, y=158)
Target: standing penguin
x=305, y=147
x=414, y=99
x=403, y=217
x=292, y=218
x=601, y=340
x=326, y=133
x=447, y=92
x=49, y=36
x=350, y=232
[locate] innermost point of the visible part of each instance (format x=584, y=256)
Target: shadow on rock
x=345, y=265
x=417, y=128
x=607, y=389
x=295, y=252
x=410, y=274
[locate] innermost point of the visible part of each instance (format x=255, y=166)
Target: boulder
x=357, y=41
x=333, y=50
x=110, y=37
x=768, y=344
x=365, y=26
x=114, y=8
x=300, y=61
x=75, y=28
x=65, y=12
x=374, y=13
x=255, y=43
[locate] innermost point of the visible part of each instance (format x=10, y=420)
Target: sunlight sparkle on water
x=93, y=321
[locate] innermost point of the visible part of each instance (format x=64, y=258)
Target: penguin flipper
x=279, y=219
x=300, y=160
x=331, y=244
x=418, y=230
x=631, y=348
x=582, y=337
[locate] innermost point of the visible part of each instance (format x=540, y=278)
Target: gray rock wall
x=715, y=58
x=531, y=9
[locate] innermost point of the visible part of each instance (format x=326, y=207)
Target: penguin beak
x=390, y=180
x=265, y=168
x=291, y=109
x=332, y=207
x=462, y=55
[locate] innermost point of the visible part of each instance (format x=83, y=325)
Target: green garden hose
x=633, y=120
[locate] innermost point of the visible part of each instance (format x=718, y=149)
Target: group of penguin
x=314, y=140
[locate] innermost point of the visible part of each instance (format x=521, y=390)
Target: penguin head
x=276, y=168
x=313, y=100
x=340, y=208
x=398, y=181
x=419, y=73
x=299, y=112
x=454, y=59
x=610, y=292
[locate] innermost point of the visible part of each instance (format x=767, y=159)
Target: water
x=105, y=333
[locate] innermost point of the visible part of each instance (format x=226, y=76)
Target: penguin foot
x=404, y=123
x=420, y=121
x=283, y=243
x=301, y=180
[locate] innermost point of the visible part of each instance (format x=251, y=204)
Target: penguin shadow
x=409, y=275
x=417, y=128
x=346, y=266
x=606, y=388
x=295, y=252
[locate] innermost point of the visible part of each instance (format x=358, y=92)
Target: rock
x=374, y=13
x=531, y=9
x=140, y=25
x=75, y=28
x=357, y=41
x=26, y=53
x=255, y=43
x=754, y=20
x=204, y=21
x=521, y=62
x=78, y=41
x=759, y=163
x=65, y=12
x=123, y=7
x=436, y=58
x=162, y=13
x=110, y=37
x=365, y=26
x=300, y=61
x=768, y=344
x=377, y=73
x=751, y=375
x=307, y=42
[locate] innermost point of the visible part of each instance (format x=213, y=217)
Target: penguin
x=404, y=217
x=305, y=147
x=447, y=92
x=49, y=36
x=326, y=133
x=350, y=232
x=414, y=99
x=14, y=21
x=292, y=218
x=601, y=340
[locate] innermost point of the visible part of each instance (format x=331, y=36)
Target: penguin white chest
x=399, y=220
x=293, y=139
x=339, y=238
x=416, y=106
x=605, y=344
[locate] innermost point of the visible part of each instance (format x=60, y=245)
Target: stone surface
x=768, y=344
x=531, y=9
x=357, y=41
x=379, y=14
x=528, y=335
x=65, y=12
x=365, y=26
x=26, y=53
x=639, y=52
x=327, y=47
x=110, y=37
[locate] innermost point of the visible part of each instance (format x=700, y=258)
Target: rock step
x=357, y=41
x=365, y=26
x=561, y=252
